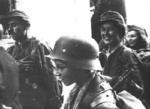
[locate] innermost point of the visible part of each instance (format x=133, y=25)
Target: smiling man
x=118, y=58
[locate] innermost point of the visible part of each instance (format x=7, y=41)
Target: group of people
x=28, y=71
x=123, y=48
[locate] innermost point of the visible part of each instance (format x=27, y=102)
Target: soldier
x=38, y=85
x=119, y=58
x=77, y=62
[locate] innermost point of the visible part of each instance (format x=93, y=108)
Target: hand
x=142, y=54
x=27, y=65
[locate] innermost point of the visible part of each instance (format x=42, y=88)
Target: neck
x=84, y=78
x=24, y=38
x=113, y=46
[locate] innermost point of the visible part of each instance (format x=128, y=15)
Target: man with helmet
x=119, y=59
x=77, y=62
x=38, y=85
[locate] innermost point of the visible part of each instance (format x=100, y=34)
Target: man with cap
x=38, y=85
x=76, y=60
x=119, y=62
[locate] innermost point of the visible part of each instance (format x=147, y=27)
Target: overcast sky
x=53, y=18
x=138, y=12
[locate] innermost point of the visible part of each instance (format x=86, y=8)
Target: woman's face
x=132, y=38
x=67, y=75
x=109, y=33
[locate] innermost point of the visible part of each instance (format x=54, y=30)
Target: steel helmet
x=112, y=16
x=77, y=52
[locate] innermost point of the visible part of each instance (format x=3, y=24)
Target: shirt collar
x=108, y=52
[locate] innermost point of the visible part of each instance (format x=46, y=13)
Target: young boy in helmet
x=77, y=62
x=119, y=58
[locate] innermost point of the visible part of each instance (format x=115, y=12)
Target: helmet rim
x=77, y=53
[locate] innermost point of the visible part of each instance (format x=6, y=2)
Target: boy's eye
x=108, y=29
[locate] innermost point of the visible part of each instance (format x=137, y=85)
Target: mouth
x=57, y=74
x=106, y=38
x=131, y=43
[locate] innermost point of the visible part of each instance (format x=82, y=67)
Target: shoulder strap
x=104, y=98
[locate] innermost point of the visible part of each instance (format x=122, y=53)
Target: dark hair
x=141, y=41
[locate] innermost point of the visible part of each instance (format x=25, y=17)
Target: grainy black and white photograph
x=74, y=54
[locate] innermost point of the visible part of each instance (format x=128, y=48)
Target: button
x=26, y=80
x=34, y=85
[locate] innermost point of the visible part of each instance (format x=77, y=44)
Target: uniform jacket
x=97, y=94
x=122, y=58
x=38, y=86
x=144, y=55
x=9, y=80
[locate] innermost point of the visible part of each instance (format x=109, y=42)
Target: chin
x=131, y=45
x=67, y=84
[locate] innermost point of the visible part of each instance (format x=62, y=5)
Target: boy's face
x=110, y=33
x=67, y=75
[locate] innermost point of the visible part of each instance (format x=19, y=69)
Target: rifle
x=121, y=78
